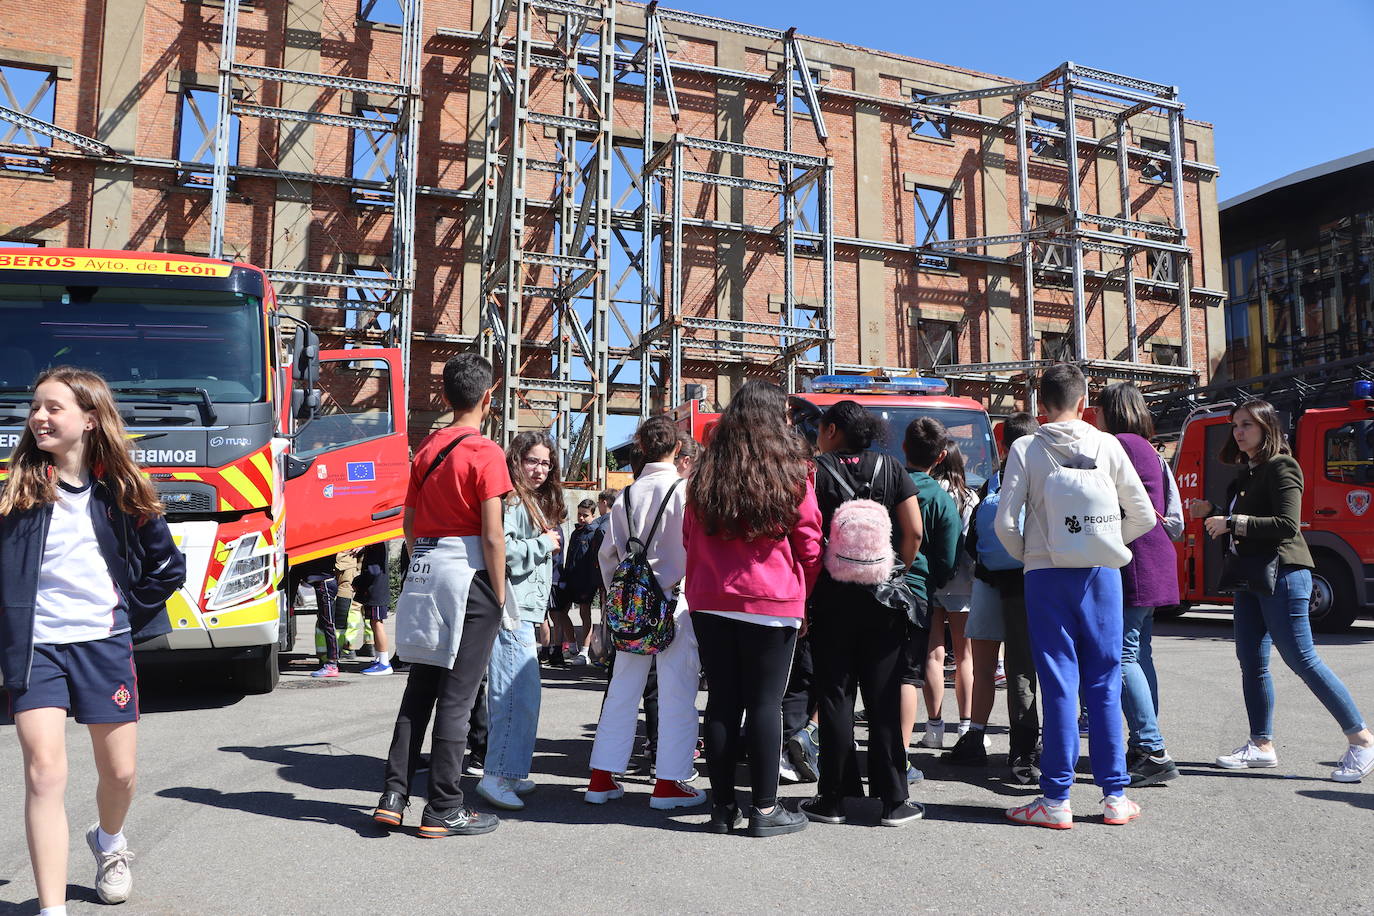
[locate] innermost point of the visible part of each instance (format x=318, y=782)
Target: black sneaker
x=391, y=809
x=474, y=767
x=776, y=822
x=1025, y=770
x=348, y=655
x=367, y=651
x=556, y=659
x=823, y=810
x=1151, y=769
x=456, y=822
x=724, y=818
x=900, y=815
x=968, y=751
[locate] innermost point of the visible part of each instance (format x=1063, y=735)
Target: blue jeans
x=1281, y=620
x=513, y=702
x=1075, y=624
x=1139, y=683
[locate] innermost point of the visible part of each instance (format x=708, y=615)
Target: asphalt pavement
x=261, y=805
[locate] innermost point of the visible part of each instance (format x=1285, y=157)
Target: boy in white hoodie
x=1074, y=610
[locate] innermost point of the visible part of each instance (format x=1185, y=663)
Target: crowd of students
x=798, y=571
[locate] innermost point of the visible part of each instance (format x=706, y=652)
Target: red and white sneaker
x=1043, y=813
x=674, y=794
x=603, y=788
x=1118, y=809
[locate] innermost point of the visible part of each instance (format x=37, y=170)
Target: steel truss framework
x=1048, y=250
x=583, y=368
x=240, y=83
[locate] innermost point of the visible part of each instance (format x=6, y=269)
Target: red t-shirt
x=450, y=505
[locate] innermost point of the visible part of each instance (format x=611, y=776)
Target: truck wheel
x=258, y=675
x=1333, y=607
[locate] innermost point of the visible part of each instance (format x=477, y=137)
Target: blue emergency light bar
x=877, y=384
x=1364, y=389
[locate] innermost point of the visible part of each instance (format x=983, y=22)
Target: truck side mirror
x=305, y=372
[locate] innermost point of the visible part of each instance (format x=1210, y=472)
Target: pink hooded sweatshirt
x=768, y=576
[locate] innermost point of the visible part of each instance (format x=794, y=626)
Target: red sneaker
x=603, y=788
x=670, y=793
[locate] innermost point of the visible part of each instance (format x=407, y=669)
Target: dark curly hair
x=752, y=475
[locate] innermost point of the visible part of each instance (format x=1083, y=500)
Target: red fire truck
x=897, y=401
x=265, y=453
x=1330, y=427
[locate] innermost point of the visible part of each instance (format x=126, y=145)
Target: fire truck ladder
x=1291, y=392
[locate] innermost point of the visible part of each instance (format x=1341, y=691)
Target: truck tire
x=259, y=674
x=1333, y=607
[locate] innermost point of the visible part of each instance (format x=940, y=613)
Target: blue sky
x=1286, y=84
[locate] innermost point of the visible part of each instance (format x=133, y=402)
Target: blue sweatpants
x=1075, y=619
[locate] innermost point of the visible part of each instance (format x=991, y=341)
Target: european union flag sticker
x=362, y=470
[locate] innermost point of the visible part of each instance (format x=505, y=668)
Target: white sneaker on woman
x=1357, y=763
x=935, y=734
x=500, y=792
x=1248, y=755
x=113, y=881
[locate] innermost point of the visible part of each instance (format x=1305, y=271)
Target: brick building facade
x=140, y=76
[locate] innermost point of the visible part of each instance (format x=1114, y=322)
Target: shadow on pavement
x=164, y=687
x=1216, y=625
x=329, y=767
x=75, y=894
x=283, y=805
x=1358, y=799
x=963, y=814
x=1203, y=769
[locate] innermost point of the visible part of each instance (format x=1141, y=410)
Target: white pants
x=679, y=673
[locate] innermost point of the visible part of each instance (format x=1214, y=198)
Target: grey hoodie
x=1076, y=444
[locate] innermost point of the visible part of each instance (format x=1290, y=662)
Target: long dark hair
x=1275, y=442
x=1122, y=409
x=752, y=475
x=951, y=471
x=544, y=505
x=858, y=426
x=33, y=475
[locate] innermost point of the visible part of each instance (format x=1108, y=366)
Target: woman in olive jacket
x=1262, y=520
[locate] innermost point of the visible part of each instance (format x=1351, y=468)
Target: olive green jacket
x=1267, y=515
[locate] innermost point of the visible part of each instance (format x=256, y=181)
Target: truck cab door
x=1200, y=474
x=349, y=465
x=1339, y=484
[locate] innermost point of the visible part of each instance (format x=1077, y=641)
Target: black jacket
x=1268, y=511
x=145, y=566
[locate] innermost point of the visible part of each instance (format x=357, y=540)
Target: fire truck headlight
x=246, y=573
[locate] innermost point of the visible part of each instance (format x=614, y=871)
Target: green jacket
x=938, y=556
x=529, y=564
x=1268, y=511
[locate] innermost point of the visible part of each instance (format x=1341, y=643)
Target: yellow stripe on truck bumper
x=262, y=611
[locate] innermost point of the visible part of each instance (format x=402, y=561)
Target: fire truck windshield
x=170, y=342
x=970, y=428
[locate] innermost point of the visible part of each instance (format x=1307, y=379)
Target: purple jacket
x=1151, y=578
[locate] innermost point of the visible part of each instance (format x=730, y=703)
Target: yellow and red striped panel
x=245, y=484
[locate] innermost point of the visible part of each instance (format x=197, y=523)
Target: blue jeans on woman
x=1139, y=683
x=1281, y=620
x=513, y=702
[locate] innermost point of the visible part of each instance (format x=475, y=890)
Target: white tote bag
x=1082, y=516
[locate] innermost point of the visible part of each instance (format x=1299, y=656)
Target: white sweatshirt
x=667, y=555
x=1023, y=484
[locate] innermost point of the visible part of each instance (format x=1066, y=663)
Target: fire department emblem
x=122, y=696
x=1358, y=501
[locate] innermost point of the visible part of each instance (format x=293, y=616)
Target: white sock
x=110, y=843
x=383, y=658
x=53, y=910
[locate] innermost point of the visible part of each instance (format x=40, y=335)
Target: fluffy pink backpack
x=859, y=548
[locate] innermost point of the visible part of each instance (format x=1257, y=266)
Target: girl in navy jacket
x=86, y=565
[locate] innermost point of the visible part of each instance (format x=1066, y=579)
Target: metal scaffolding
x=1050, y=250
x=242, y=86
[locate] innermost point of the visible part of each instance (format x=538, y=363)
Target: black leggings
x=747, y=666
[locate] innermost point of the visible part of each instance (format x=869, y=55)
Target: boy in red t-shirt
x=453, y=510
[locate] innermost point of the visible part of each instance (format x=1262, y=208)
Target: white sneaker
x=1357, y=763
x=1043, y=813
x=1248, y=755
x=787, y=773
x=935, y=734
x=113, y=880
x=1118, y=809
x=500, y=792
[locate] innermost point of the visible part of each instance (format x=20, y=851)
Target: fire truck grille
x=183, y=497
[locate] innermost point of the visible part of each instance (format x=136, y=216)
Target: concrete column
x=1003, y=323
x=471, y=304
x=121, y=65
x=1206, y=241
x=731, y=250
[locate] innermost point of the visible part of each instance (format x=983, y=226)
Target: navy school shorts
x=94, y=681
x=375, y=612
